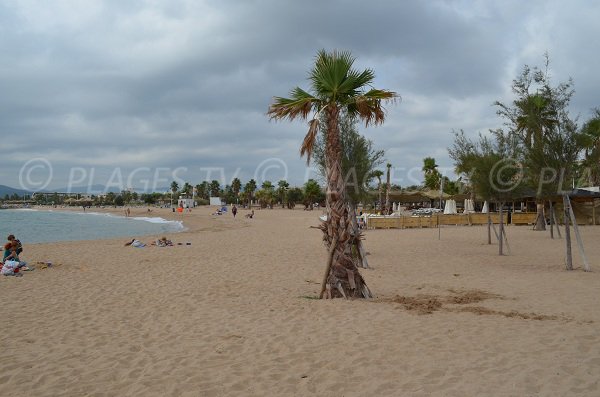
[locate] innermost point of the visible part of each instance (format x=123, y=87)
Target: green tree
x=187, y=190
x=109, y=198
x=174, y=187
x=148, y=198
x=203, y=190
x=249, y=190
x=590, y=134
x=294, y=195
x=236, y=187
x=312, y=193
x=126, y=196
x=539, y=118
x=119, y=200
x=228, y=194
x=282, y=189
x=215, y=188
x=493, y=177
x=378, y=174
x=432, y=175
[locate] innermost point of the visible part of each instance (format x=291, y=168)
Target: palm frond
x=329, y=72
x=310, y=139
x=369, y=105
x=300, y=104
x=355, y=81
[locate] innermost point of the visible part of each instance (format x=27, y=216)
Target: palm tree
x=236, y=186
x=249, y=189
x=282, y=188
x=378, y=174
x=335, y=86
x=431, y=173
x=174, y=188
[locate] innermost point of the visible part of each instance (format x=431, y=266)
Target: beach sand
x=233, y=314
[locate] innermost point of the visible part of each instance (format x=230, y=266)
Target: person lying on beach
x=250, y=215
x=163, y=242
x=11, y=238
x=135, y=243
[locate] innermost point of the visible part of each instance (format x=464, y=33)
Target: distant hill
x=93, y=189
x=101, y=189
x=4, y=190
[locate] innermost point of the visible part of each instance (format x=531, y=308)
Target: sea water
x=40, y=226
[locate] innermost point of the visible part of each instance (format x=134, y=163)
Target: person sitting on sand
x=250, y=215
x=10, y=252
x=135, y=243
x=11, y=238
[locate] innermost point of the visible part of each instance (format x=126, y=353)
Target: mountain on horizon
x=4, y=190
x=93, y=189
x=101, y=189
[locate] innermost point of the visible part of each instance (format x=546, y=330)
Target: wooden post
x=569, y=257
x=556, y=222
x=506, y=240
x=586, y=265
x=501, y=228
x=489, y=219
x=551, y=220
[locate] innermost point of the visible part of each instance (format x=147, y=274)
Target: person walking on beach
x=234, y=210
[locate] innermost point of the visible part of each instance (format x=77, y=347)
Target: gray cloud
x=100, y=85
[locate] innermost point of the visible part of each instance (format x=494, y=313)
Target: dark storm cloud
x=134, y=84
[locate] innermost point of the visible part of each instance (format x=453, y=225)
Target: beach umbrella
x=450, y=207
x=485, y=208
x=469, y=207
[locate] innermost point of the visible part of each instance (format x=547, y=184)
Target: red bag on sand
x=16, y=270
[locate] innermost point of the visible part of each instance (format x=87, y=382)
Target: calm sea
x=33, y=226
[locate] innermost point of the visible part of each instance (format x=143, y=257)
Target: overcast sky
x=144, y=92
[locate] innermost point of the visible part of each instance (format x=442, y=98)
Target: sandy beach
x=233, y=313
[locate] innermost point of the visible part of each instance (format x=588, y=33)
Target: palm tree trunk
x=501, y=228
x=380, y=196
x=387, y=193
x=344, y=279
